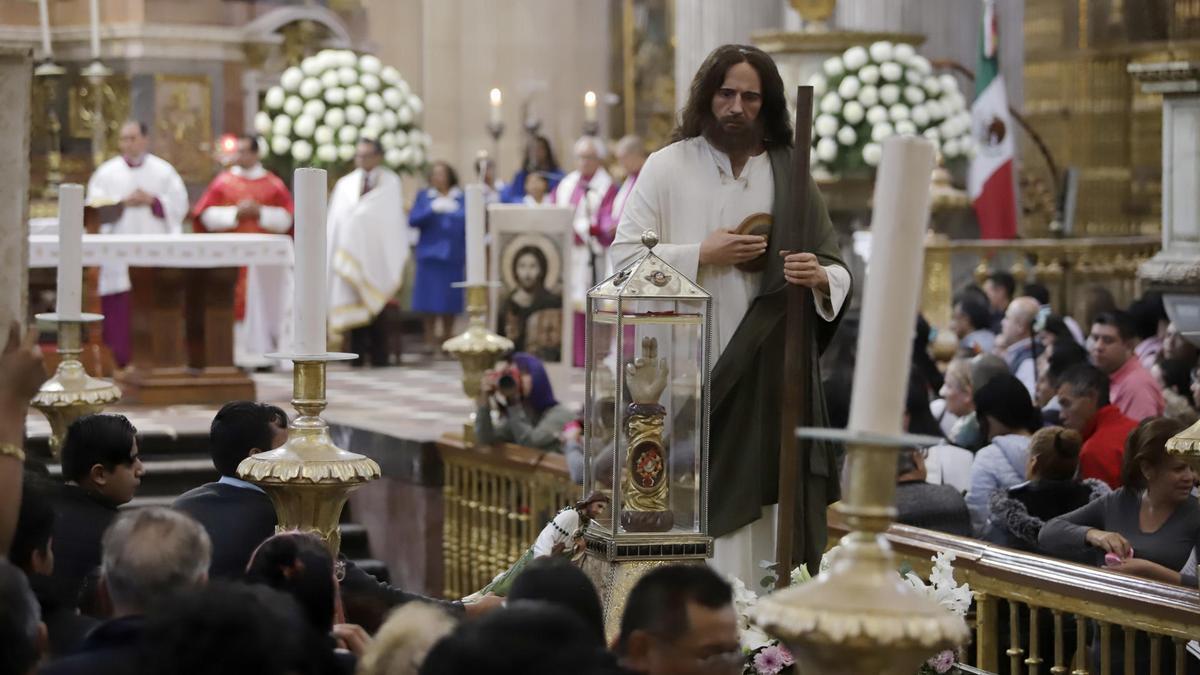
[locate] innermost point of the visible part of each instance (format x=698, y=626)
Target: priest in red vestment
x=247, y=198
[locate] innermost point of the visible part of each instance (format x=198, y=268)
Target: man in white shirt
x=731, y=160
x=368, y=248
x=153, y=200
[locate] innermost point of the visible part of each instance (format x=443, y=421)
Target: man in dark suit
x=237, y=515
x=101, y=470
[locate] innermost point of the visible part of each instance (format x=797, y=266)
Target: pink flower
x=771, y=660
x=942, y=661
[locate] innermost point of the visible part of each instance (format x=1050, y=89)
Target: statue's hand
x=647, y=375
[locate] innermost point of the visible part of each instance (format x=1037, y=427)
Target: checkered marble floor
x=418, y=402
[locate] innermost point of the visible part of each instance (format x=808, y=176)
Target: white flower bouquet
x=322, y=107
x=870, y=93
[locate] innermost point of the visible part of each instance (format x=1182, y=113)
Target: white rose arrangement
x=322, y=107
x=870, y=93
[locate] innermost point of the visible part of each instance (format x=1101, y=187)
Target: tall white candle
x=889, y=311
x=495, y=116
x=44, y=18
x=589, y=106
x=70, y=250
x=476, y=256
x=312, y=263
x=95, y=7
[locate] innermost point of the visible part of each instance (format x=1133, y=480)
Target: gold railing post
x=986, y=634
x=1060, y=662
x=1081, y=666
x=1015, y=652
x=1106, y=666
x=1034, y=661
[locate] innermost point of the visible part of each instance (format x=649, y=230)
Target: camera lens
x=506, y=381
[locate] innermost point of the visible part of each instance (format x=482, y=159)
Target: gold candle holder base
x=309, y=478
x=476, y=348
x=71, y=393
x=860, y=616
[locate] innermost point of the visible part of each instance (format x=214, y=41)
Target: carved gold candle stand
x=860, y=616
x=476, y=348
x=309, y=478
x=96, y=73
x=71, y=393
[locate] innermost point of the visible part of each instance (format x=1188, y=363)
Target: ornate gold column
x=476, y=348
x=96, y=73
x=48, y=75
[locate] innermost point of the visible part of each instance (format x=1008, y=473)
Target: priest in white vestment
x=583, y=189
x=152, y=200
x=368, y=248
x=723, y=168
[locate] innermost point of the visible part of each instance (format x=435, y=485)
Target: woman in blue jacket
x=439, y=215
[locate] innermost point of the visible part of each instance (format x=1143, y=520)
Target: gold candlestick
x=476, y=348
x=96, y=73
x=861, y=616
x=309, y=478
x=71, y=393
x=48, y=74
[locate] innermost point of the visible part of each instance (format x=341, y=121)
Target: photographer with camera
x=526, y=412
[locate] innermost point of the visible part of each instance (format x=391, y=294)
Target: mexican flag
x=990, y=179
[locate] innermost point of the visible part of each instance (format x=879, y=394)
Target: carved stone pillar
x=16, y=72
x=701, y=26
x=1176, y=268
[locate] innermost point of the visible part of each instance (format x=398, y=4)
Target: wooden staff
x=797, y=350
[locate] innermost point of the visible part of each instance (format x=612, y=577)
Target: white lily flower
x=881, y=131
x=370, y=64
x=335, y=118
x=936, y=110
x=834, y=67
x=393, y=157
x=921, y=64
x=293, y=106
x=948, y=82
x=374, y=103
x=847, y=136
x=389, y=75
x=355, y=115
x=311, y=67
x=327, y=153
x=853, y=112
x=848, y=87
x=347, y=134
x=345, y=152
x=872, y=153
x=370, y=82
x=375, y=121
x=913, y=76
x=903, y=53
x=933, y=86
x=417, y=106
x=324, y=135
x=280, y=145
x=951, y=148
x=330, y=79
x=407, y=155
x=355, y=94
x=348, y=58
x=315, y=108
x=403, y=138
x=891, y=71
x=877, y=115
x=304, y=126
x=831, y=103
x=855, y=58
x=919, y=115
x=335, y=96
x=906, y=128
x=387, y=140
x=826, y=125
x=932, y=134
x=291, y=78
x=262, y=123
x=274, y=98
x=311, y=87
x=898, y=112
x=404, y=116
x=869, y=74
x=889, y=94
x=281, y=126
x=302, y=151
x=389, y=119
x=868, y=96
x=393, y=98
x=914, y=95
x=346, y=76
x=882, y=51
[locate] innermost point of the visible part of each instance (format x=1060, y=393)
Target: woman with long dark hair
x=539, y=159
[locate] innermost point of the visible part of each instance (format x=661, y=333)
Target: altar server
x=249, y=199
x=148, y=197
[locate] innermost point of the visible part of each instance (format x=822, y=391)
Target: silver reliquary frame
x=646, y=426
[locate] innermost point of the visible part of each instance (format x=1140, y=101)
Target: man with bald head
x=1016, y=330
x=583, y=189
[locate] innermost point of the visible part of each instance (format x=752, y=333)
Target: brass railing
x=497, y=499
x=1098, y=604
x=1068, y=267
